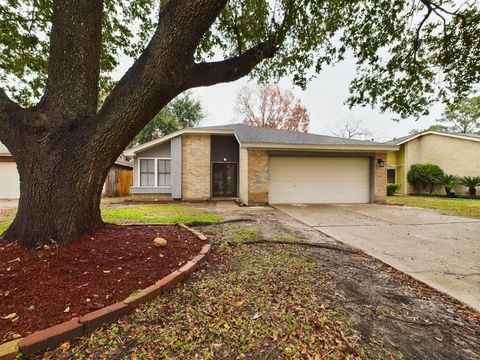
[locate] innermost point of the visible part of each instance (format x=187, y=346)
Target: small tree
x=351, y=129
x=424, y=177
x=448, y=182
x=270, y=106
x=184, y=111
x=471, y=182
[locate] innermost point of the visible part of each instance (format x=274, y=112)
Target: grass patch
x=6, y=217
x=261, y=302
x=239, y=235
x=289, y=238
x=463, y=207
x=156, y=213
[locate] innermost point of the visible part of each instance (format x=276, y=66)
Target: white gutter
x=338, y=147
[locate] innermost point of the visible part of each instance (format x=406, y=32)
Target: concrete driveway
x=440, y=250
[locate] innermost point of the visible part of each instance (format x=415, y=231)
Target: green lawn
x=156, y=213
x=6, y=217
x=463, y=207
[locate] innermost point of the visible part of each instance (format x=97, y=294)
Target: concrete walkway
x=440, y=250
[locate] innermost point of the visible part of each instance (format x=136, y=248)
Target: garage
x=9, y=180
x=319, y=180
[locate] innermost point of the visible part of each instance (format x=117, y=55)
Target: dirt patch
x=388, y=309
x=46, y=286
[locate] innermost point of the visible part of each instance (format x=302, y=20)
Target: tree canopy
x=183, y=111
x=409, y=53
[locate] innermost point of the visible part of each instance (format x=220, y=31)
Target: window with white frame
x=155, y=172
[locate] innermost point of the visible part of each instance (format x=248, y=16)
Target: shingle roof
x=249, y=135
x=403, y=139
x=255, y=134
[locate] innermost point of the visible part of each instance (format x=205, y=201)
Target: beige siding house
x=260, y=166
x=9, y=179
x=456, y=154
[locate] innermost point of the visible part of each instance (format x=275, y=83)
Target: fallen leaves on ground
x=258, y=301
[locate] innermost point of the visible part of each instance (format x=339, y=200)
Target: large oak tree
x=57, y=56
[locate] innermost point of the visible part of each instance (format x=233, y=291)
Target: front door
x=224, y=179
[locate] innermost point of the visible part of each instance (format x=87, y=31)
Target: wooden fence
x=118, y=183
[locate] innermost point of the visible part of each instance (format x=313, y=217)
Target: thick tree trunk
x=59, y=196
x=64, y=147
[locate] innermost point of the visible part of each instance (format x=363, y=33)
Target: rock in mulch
x=160, y=242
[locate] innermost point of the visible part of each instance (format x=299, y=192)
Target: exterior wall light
x=381, y=162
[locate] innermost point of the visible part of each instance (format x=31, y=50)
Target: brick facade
x=196, y=167
x=257, y=177
x=380, y=180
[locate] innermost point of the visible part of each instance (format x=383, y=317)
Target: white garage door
x=316, y=180
x=9, y=181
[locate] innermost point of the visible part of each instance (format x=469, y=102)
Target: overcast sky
x=324, y=98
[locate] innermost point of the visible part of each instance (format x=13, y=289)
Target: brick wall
x=380, y=181
x=257, y=177
x=196, y=167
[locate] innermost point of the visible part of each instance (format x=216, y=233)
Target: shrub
x=471, y=182
x=392, y=188
x=423, y=177
x=448, y=182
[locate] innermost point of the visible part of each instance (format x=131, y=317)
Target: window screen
x=147, y=172
x=164, y=173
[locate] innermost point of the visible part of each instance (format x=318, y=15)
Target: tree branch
x=74, y=62
x=10, y=114
x=159, y=74
x=211, y=73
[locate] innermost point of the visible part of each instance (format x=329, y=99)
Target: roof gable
x=405, y=139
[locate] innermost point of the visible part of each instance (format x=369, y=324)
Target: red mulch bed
x=48, y=286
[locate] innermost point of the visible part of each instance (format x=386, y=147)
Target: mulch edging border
x=55, y=335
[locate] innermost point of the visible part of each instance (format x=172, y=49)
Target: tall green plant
x=472, y=182
x=448, y=182
x=423, y=177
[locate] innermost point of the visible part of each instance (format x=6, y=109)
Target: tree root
x=208, y=223
x=279, y=242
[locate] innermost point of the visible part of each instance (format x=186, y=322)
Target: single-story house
x=10, y=181
x=260, y=166
x=457, y=154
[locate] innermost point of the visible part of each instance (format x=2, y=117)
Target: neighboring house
x=260, y=166
x=10, y=181
x=457, y=154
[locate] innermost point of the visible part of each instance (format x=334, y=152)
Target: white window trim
x=155, y=169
